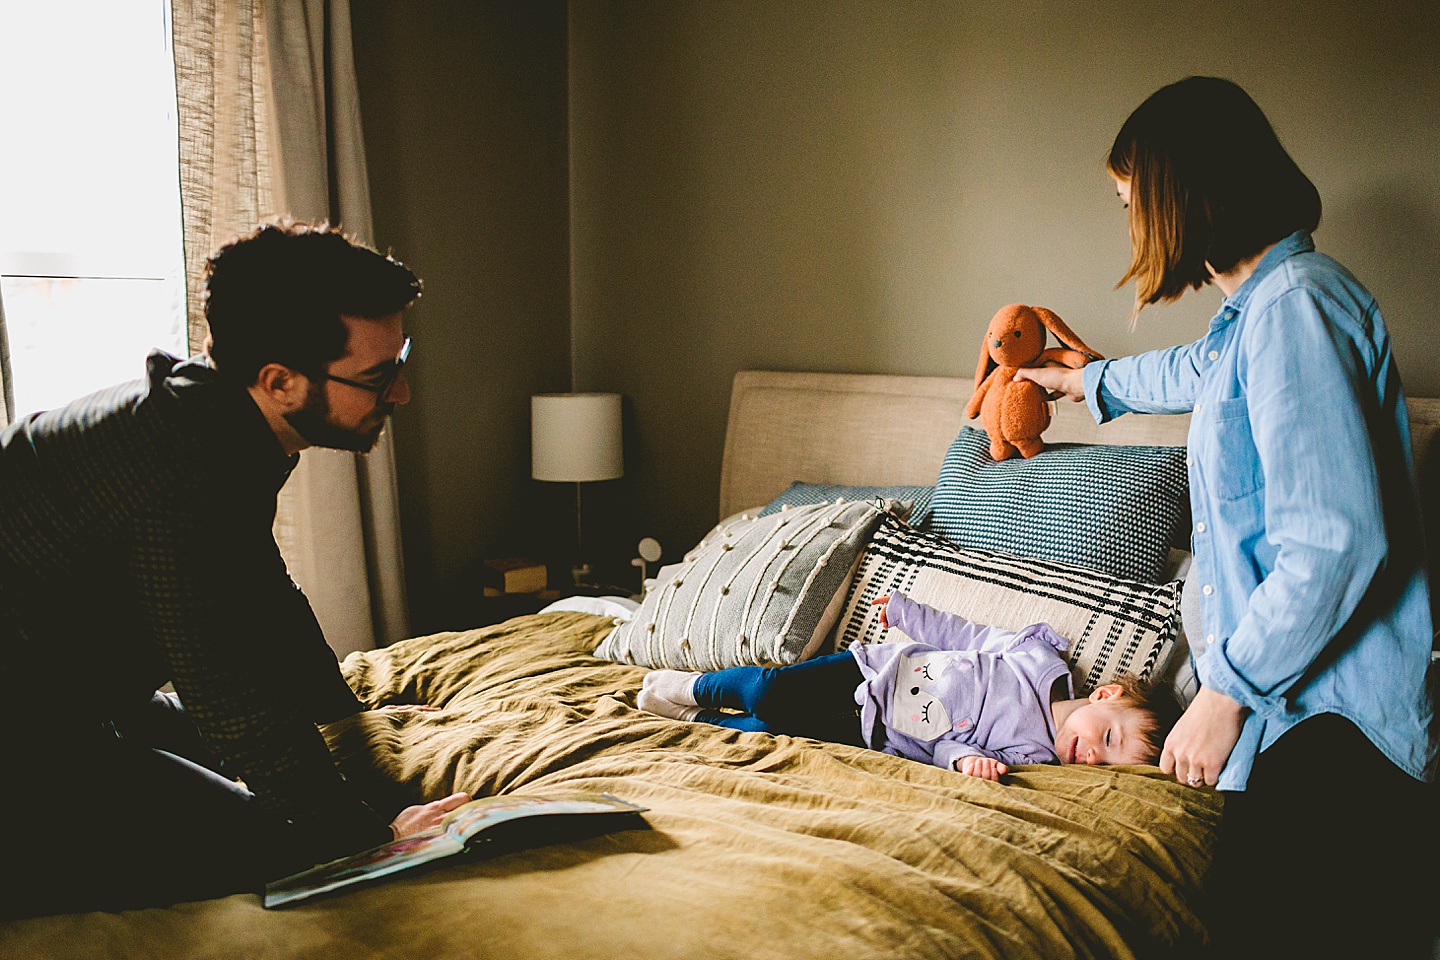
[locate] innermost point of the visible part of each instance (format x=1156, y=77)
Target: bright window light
x=92, y=268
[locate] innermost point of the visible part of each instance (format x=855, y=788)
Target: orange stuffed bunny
x=1014, y=414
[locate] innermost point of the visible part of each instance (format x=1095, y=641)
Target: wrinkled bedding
x=759, y=847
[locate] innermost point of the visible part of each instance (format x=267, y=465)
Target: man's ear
x=1106, y=692
x=287, y=389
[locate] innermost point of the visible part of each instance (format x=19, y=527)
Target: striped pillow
x=1113, y=625
x=1117, y=509
x=800, y=494
x=761, y=591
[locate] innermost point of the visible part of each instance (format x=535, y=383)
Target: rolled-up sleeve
x=1304, y=379
x=1161, y=381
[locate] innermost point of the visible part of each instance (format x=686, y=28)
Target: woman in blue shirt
x=1315, y=625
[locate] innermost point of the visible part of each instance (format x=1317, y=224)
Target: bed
x=757, y=846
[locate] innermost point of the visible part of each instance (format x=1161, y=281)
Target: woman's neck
x=1232, y=279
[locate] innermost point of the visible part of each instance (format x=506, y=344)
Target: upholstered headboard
x=873, y=430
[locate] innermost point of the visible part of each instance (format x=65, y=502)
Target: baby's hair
x=1157, y=700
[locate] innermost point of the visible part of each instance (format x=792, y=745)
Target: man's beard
x=313, y=423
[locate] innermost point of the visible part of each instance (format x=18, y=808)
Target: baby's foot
x=677, y=686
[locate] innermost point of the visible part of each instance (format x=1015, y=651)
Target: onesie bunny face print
x=968, y=691
x=915, y=710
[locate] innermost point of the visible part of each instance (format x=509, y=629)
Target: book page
x=378, y=862
x=455, y=834
x=467, y=820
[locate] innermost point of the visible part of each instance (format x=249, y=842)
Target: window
x=92, y=269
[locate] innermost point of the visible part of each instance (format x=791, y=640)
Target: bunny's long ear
x=983, y=367
x=1064, y=334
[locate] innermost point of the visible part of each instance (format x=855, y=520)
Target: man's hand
x=412, y=820
x=1198, y=747
x=1058, y=381
x=986, y=768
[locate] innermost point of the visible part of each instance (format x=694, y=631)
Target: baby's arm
x=943, y=631
x=966, y=758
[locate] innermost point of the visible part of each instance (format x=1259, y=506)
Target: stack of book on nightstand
x=513, y=575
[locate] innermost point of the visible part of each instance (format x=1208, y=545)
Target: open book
x=490, y=826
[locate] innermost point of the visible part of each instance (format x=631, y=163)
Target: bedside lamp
x=576, y=438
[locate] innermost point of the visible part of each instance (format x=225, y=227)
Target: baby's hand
x=881, y=602
x=986, y=768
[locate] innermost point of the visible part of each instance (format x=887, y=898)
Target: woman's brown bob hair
x=1209, y=183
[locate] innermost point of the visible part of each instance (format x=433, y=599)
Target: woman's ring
x=1194, y=781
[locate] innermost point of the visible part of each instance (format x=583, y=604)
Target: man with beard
x=136, y=549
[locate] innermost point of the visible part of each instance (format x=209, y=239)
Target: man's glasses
x=381, y=387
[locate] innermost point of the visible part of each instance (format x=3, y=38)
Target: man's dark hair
x=1209, y=182
x=277, y=293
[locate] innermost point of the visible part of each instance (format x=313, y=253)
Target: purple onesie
x=960, y=689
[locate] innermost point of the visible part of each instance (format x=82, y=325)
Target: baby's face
x=1104, y=731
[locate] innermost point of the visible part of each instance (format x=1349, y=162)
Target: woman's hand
x=1198, y=747
x=414, y=819
x=986, y=768
x=1058, y=381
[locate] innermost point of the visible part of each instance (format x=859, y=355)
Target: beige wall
x=846, y=185
x=465, y=107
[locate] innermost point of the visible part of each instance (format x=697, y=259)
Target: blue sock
x=735, y=721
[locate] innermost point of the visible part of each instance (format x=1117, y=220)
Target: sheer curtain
x=7, y=399
x=350, y=522
x=269, y=122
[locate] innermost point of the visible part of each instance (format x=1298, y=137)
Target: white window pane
x=90, y=228
x=66, y=340
x=87, y=116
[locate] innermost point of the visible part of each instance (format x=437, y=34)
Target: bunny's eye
x=1017, y=333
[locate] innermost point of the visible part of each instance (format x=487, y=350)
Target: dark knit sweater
x=136, y=548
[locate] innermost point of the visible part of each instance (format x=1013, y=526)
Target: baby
x=957, y=694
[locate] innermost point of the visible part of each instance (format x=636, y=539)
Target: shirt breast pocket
x=1233, y=471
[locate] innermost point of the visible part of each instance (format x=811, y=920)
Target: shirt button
x=1189, y=461
x=1210, y=639
x=1207, y=589
x=1214, y=354
x=1200, y=527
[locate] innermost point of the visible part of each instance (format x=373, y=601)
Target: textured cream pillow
x=1113, y=625
x=761, y=591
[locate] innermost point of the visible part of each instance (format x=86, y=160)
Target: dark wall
x=673, y=190
x=465, y=108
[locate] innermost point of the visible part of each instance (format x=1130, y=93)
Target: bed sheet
x=759, y=847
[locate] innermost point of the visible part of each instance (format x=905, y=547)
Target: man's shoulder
x=141, y=426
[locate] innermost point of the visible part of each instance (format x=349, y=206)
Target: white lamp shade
x=576, y=437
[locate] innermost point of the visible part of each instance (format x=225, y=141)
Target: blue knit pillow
x=800, y=494
x=1116, y=509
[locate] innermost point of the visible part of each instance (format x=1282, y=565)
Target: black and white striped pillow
x=1113, y=625
x=1118, y=509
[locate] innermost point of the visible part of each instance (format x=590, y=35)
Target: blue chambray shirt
x=1307, y=539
